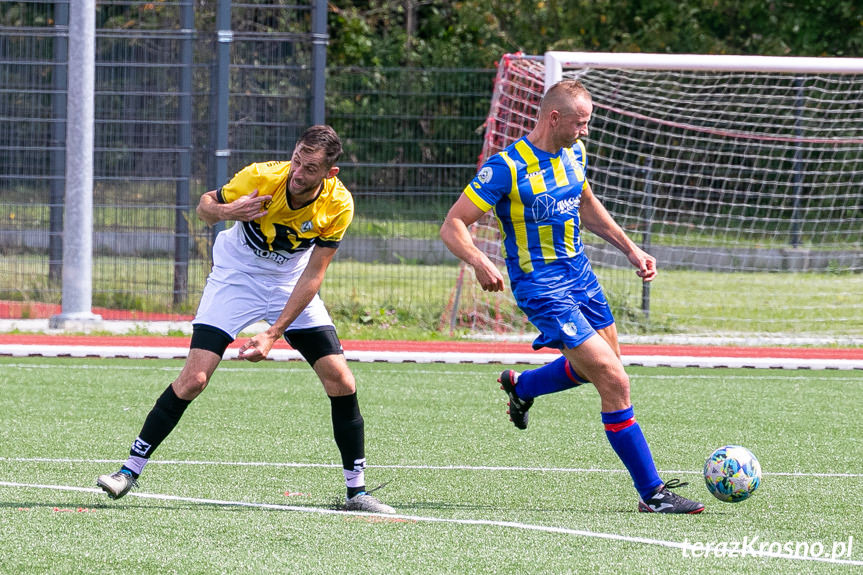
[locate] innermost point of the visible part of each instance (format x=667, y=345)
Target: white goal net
x=743, y=176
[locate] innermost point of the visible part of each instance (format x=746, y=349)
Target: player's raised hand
x=249, y=207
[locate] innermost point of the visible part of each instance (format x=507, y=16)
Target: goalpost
x=742, y=175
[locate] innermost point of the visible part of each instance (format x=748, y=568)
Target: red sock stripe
x=615, y=427
x=571, y=374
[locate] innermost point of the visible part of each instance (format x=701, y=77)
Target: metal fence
x=175, y=117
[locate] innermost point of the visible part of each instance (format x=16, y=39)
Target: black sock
x=348, y=429
x=129, y=471
x=354, y=490
x=159, y=423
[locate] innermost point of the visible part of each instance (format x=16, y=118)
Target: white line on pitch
x=102, y=368
x=403, y=466
x=683, y=546
x=469, y=369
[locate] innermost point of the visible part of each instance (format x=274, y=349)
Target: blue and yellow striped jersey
x=535, y=196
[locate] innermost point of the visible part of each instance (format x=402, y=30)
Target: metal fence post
x=648, y=231
x=184, y=161
x=320, y=39
x=78, y=220
x=796, y=218
x=221, y=90
x=59, y=79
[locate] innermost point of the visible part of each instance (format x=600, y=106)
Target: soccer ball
x=732, y=473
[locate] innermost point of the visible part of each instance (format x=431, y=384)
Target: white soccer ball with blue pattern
x=732, y=473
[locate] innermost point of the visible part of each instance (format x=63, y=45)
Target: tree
x=471, y=33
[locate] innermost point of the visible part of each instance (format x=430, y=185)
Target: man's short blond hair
x=561, y=95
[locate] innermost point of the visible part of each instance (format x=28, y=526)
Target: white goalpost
x=556, y=62
x=743, y=175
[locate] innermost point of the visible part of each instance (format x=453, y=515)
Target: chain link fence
x=412, y=138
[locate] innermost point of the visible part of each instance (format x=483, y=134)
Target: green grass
x=421, y=229
x=439, y=434
x=705, y=302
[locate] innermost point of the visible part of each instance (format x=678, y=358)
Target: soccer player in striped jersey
x=291, y=217
x=540, y=195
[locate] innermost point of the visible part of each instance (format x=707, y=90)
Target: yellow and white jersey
x=280, y=242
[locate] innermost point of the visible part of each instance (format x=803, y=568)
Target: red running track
x=452, y=346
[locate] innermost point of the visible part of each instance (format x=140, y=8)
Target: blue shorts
x=565, y=310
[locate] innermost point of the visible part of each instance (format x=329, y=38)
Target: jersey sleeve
x=332, y=235
x=492, y=182
x=242, y=184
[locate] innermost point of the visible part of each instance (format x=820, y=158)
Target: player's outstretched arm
x=596, y=218
x=456, y=237
x=243, y=209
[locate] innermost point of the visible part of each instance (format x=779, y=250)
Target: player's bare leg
x=335, y=375
x=597, y=362
x=609, y=334
x=197, y=371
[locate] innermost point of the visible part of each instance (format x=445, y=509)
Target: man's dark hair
x=324, y=138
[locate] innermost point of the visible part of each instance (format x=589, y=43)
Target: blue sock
x=550, y=378
x=628, y=442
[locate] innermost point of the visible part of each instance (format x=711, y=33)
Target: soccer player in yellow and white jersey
x=291, y=217
x=540, y=195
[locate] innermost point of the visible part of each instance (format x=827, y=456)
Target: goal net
x=743, y=176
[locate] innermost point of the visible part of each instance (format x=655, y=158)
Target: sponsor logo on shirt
x=543, y=207
x=274, y=257
x=568, y=205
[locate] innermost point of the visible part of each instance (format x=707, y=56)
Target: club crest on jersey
x=306, y=226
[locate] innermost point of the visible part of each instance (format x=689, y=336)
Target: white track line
x=413, y=467
x=20, y=350
x=683, y=546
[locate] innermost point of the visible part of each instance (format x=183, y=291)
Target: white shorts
x=234, y=300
